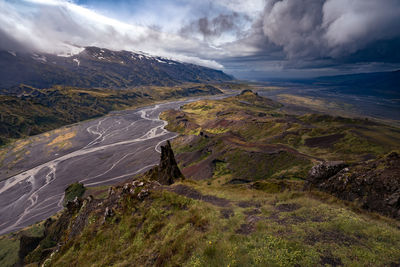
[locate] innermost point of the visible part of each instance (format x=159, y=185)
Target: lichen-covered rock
x=74, y=206
x=325, y=170
x=143, y=194
x=111, y=191
x=374, y=185
x=108, y=213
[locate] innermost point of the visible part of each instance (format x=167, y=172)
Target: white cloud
x=54, y=26
x=299, y=33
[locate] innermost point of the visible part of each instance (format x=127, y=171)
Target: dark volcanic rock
x=167, y=171
x=36, y=250
x=374, y=185
x=27, y=244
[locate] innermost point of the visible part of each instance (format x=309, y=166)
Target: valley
x=259, y=133
x=27, y=111
x=259, y=187
x=97, y=152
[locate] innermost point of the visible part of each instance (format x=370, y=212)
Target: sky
x=252, y=39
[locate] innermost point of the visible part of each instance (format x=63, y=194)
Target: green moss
x=9, y=247
x=257, y=166
x=221, y=169
x=168, y=229
x=72, y=191
x=199, y=145
x=269, y=186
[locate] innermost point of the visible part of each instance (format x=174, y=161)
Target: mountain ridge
x=99, y=68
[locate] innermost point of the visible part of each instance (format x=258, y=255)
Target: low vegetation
x=194, y=224
x=254, y=140
x=243, y=200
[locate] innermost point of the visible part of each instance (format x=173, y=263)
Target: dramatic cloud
x=318, y=37
x=263, y=38
x=61, y=27
x=210, y=28
x=329, y=28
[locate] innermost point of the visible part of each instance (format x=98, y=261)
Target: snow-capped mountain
x=98, y=67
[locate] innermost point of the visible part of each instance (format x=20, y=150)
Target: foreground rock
x=167, y=172
x=374, y=185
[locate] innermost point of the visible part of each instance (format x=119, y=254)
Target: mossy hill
x=242, y=202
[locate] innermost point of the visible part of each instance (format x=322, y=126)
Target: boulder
x=325, y=170
x=108, y=213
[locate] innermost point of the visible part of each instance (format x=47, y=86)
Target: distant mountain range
x=385, y=84
x=99, y=68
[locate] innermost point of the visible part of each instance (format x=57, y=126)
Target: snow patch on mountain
x=77, y=61
x=40, y=58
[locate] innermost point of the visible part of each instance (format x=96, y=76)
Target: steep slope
x=101, y=68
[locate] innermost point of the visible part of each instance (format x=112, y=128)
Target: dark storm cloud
x=329, y=28
x=216, y=26
x=254, y=36
x=321, y=36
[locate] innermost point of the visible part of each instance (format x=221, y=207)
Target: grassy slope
x=9, y=244
x=251, y=228
x=269, y=222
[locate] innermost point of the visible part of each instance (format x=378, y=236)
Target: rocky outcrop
x=75, y=217
x=374, y=185
x=167, y=172
x=247, y=91
x=324, y=170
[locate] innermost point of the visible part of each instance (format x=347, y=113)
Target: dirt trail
x=192, y=193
